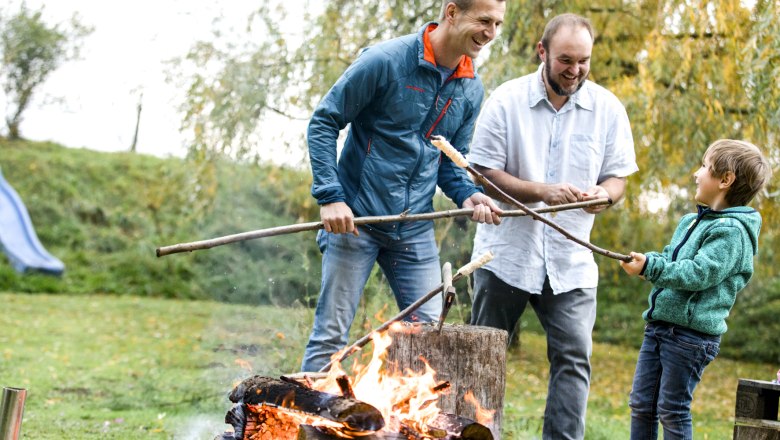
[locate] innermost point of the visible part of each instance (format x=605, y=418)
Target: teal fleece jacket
x=697, y=276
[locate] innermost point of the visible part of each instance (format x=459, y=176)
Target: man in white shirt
x=551, y=137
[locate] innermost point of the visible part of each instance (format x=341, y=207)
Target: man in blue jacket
x=395, y=96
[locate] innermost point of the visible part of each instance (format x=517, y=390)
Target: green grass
x=121, y=367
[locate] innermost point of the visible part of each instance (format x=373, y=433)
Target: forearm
x=521, y=190
x=615, y=187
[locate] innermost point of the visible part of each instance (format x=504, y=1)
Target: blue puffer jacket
x=395, y=101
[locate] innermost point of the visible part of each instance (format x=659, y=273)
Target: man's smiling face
x=567, y=60
x=479, y=25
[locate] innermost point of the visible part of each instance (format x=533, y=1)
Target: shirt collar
x=582, y=98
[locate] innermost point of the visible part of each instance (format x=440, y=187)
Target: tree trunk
x=471, y=358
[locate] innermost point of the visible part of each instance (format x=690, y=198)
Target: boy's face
x=708, y=187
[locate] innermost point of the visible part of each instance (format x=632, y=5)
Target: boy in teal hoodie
x=695, y=283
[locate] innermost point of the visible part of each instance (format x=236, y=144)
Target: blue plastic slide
x=18, y=238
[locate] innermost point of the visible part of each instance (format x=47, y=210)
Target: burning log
x=462, y=427
x=271, y=409
x=445, y=427
x=345, y=386
x=308, y=432
x=355, y=415
x=471, y=358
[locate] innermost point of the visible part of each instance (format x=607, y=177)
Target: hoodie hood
x=748, y=217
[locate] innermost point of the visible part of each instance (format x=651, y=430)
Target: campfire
x=371, y=404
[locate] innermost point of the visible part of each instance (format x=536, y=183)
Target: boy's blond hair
x=751, y=169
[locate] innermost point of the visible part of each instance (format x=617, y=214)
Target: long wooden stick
x=462, y=272
x=457, y=158
x=311, y=226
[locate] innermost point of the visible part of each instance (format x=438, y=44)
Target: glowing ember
x=270, y=423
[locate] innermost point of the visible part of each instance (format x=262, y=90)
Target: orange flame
x=406, y=398
x=484, y=416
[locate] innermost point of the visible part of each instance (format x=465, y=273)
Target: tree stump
x=471, y=358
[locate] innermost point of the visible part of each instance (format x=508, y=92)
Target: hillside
x=104, y=214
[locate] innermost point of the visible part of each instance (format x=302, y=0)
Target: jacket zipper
x=422, y=151
x=655, y=294
x=438, y=119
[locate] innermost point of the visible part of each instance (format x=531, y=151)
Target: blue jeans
x=412, y=269
x=568, y=320
x=670, y=364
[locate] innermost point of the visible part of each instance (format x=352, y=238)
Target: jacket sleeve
x=452, y=179
x=352, y=92
x=720, y=253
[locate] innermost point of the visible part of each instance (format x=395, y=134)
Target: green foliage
x=234, y=87
x=31, y=51
x=105, y=214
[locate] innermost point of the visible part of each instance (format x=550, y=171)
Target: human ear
x=450, y=10
x=540, y=52
x=727, y=180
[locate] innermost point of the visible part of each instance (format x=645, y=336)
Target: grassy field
x=114, y=367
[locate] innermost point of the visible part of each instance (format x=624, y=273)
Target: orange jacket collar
x=465, y=68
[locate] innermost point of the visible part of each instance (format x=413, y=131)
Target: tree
x=688, y=71
x=31, y=51
x=235, y=86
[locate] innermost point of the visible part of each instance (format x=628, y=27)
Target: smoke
x=201, y=427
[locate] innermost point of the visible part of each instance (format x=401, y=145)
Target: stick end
x=449, y=151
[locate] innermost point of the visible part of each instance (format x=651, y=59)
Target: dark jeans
x=568, y=320
x=671, y=362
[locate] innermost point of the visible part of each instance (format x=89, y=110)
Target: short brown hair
x=568, y=20
x=751, y=169
x=463, y=5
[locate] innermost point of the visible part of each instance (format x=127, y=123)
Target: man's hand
x=634, y=267
x=485, y=209
x=337, y=218
x=593, y=193
x=613, y=187
x=560, y=193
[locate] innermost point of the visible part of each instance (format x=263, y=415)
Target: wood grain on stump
x=471, y=358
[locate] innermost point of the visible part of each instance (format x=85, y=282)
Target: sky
x=92, y=102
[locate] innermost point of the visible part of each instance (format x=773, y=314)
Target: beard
x=556, y=86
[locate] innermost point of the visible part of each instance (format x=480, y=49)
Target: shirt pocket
x=585, y=157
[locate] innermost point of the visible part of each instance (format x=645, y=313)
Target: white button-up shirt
x=584, y=143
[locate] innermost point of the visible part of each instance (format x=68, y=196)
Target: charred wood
x=308, y=432
x=345, y=386
x=356, y=415
x=462, y=427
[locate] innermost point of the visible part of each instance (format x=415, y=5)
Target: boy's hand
x=634, y=267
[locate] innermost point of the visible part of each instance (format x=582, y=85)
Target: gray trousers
x=568, y=320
